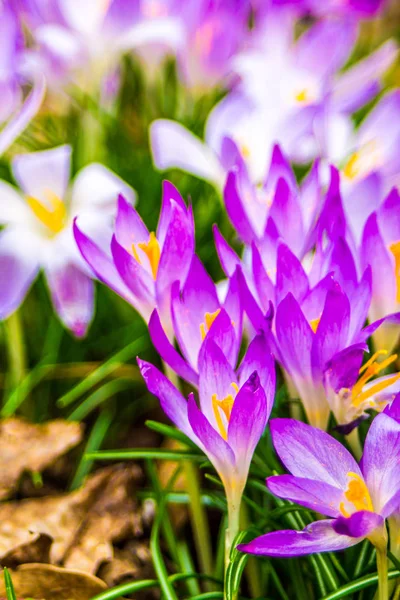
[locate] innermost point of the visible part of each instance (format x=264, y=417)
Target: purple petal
x=264, y=286
x=317, y=537
x=102, y=265
x=279, y=168
x=332, y=332
x=358, y=525
x=172, y=402
x=216, y=448
x=311, y=453
x=248, y=421
x=381, y=463
x=18, y=268
x=170, y=197
x=176, y=254
x=259, y=358
x=189, y=307
x=167, y=351
x=223, y=332
x=236, y=211
x=317, y=495
x=249, y=304
x=360, y=305
x=295, y=337
x=389, y=217
x=22, y=118
x=216, y=376
x=227, y=256
x=129, y=227
x=286, y=214
x=343, y=369
x=135, y=277
x=290, y=276
x=72, y=293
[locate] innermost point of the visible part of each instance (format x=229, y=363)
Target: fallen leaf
x=82, y=524
x=30, y=447
x=131, y=562
x=36, y=550
x=46, y=582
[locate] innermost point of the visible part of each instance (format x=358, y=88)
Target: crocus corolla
x=38, y=232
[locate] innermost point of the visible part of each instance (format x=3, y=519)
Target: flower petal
x=290, y=275
x=72, y=293
x=317, y=537
x=173, y=146
x=97, y=188
x=295, y=337
x=168, y=353
x=39, y=173
x=236, y=209
x=319, y=496
x=135, y=277
x=359, y=524
x=381, y=463
x=311, y=453
x=258, y=358
x=18, y=268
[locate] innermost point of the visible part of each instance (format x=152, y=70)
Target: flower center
x=363, y=161
x=369, y=370
x=395, y=250
x=314, y=324
x=225, y=405
x=152, y=251
x=209, y=319
x=303, y=96
x=356, y=494
x=52, y=217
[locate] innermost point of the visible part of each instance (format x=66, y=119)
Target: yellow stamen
x=54, y=218
x=226, y=405
x=395, y=250
x=352, y=167
x=209, y=319
x=152, y=251
x=357, y=494
x=302, y=96
x=314, y=324
x=245, y=151
x=136, y=254
x=369, y=370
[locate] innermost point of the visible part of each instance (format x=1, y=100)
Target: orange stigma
x=314, y=324
x=357, y=494
x=53, y=218
x=369, y=370
x=395, y=250
x=152, y=251
x=209, y=319
x=225, y=405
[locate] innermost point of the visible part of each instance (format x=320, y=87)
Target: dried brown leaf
x=82, y=524
x=46, y=582
x=30, y=447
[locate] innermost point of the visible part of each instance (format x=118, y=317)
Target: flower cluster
x=314, y=292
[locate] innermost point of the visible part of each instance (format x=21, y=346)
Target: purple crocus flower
x=143, y=265
x=353, y=388
x=326, y=478
x=234, y=410
x=38, y=232
x=338, y=8
x=198, y=315
x=380, y=248
x=15, y=113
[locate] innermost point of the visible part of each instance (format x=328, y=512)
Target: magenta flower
x=198, y=315
x=41, y=215
x=326, y=478
x=233, y=413
x=143, y=265
x=380, y=248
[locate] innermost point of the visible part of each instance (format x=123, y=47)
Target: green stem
x=382, y=567
x=233, y=526
x=198, y=517
x=353, y=439
x=16, y=351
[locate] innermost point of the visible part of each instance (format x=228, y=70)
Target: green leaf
x=10, y=592
x=127, y=588
x=360, y=584
x=170, y=432
x=142, y=453
x=234, y=571
x=104, y=371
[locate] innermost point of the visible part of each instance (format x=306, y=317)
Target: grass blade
x=360, y=584
x=144, y=453
x=10, y=592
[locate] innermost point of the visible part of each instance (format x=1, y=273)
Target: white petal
x=39, y=173
x=96, y=188
x=13, y=209
x=173, y=146
x=59, y=42
x=84, y=16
